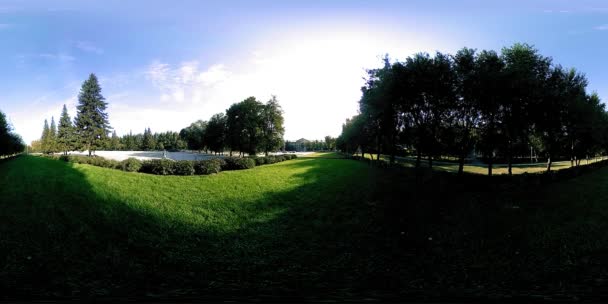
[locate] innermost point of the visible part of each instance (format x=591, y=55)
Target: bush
x=279, y=158
x=271, y=159
x=209, y=166
x=233, y=163
x=259, y=160
x=183, y=167
x=157, y=166
x=130, y=165
x=94, y=161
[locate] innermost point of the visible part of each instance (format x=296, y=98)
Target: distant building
x=298, y=145
x=301, y=144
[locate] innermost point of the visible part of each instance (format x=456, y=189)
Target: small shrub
x=131, y=164
x=271, y=159
x=183, y=167
x=208, y=166
x=279, y=158
x=259, y=160
x=157, y=166
x=234, y=163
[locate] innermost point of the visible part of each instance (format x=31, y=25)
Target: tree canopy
x=496, y=106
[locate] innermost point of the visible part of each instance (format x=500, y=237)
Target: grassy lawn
x=311, y=228
x=483, y=169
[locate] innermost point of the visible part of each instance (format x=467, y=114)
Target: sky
x=165, y=64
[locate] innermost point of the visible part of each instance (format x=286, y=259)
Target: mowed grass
x=313, y=228
x=483, y=169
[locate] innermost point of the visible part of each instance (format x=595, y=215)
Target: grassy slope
x=308, y=228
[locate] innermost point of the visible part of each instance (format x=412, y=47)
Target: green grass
x=310, y=228
x=483, y=169
x=323, y=155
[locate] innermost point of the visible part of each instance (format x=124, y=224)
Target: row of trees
x=89, y=130
x=499, y=105
x=10, y=143
x=249, y=126
x=146, y=141
x=327, y=144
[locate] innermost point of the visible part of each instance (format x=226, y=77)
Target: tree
x=215, y=133
x=53, y=136
x=92, y=125
x=382, y=96
x=10, y=143
x=115, y=142
x=488, y=90
x=525, y=72
x=465, y=115
x=194, y=135
x=65, y=132
x=244, y=121
x=148, y=140
x=330, y=143
x=45, y=137
x=272, y=126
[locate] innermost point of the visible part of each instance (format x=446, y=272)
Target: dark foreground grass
x=306, y=229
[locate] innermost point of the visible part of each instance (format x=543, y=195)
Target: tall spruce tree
x=115, y=142
x=53, y=136
x=45, y=137
x=65, y=132
x=148, y=140
x=92, y=125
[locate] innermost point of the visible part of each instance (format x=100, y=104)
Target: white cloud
x=28, y=121
x=317, y=81
x=316, y=77
x=88, y=47
x=214, y=75
x=58, y=56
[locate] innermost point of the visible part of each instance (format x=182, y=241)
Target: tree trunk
x=549, y=163
x=418, y=157
x=461, y=164
x=490, y=159
x=430, y=161
x=509, y=161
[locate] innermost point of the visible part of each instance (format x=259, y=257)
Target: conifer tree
x=65, y=132
x=92, y=125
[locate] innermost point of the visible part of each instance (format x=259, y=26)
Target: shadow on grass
x=59, y=239
x=347, y=232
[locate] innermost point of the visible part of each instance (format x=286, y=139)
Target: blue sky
x=164, y=64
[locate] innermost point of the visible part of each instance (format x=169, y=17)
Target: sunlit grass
x=483, y=169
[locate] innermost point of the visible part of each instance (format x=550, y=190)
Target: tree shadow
x=349, y=232
x=59, y=238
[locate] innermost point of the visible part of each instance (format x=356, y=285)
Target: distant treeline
x=500, y=105
x=10, y=142
x=249, y=126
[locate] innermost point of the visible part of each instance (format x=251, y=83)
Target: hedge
x=208, y=166
x=158, y=167
x=234, y=163
x=170, y=167
x=183, y=167
x=131, y=164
